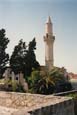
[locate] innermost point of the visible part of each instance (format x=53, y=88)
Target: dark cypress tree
x=4, y=57
x=30, y=58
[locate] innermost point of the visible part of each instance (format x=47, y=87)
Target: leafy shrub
x=74, y=96
x=61, y=82
x=44, y=82
x=62, y=87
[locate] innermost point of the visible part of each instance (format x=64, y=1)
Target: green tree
x=4, y=57
x=23, y=58
x=17, y=57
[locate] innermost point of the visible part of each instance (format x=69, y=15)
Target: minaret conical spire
x=49, y=29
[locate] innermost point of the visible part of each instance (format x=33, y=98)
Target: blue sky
x=25, y=19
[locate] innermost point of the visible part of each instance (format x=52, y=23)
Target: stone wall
x=62, y=108
x=33, y=104
x=72, y=93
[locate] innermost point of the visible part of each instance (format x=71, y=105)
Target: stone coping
x=26, y=102
x=7, y=111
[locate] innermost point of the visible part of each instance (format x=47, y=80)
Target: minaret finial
x=49, y=20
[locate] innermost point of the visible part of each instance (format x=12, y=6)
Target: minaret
x=49, y=40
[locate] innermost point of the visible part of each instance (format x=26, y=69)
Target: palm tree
x=42, y=83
